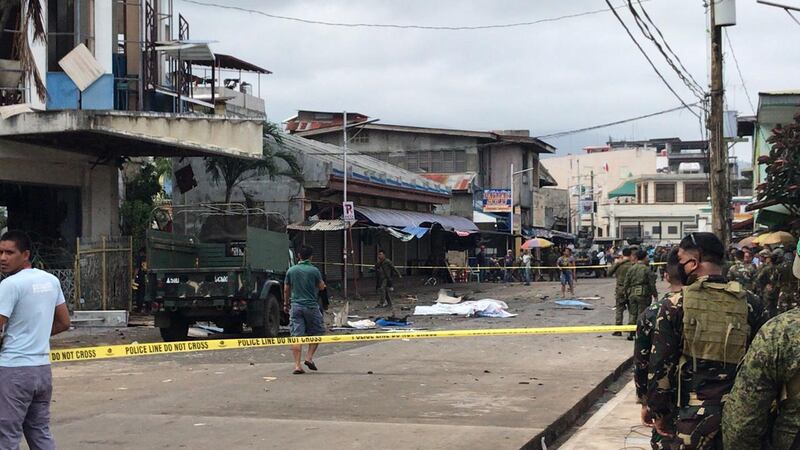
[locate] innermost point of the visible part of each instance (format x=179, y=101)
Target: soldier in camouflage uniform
x=743, y=271
x=639, y=287
x=684, y=369
x=619, y=269
x=787, y=286
x=643, y=343
x=763, y=281
x=768, y=384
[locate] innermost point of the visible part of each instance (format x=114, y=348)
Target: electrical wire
x=619, y=122
x=792, y=16
x=673, y=61
x=739, y=70
x=542, y=136
x=400, y=26
x=650, y=61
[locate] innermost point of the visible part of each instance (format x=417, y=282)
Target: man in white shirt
x=32, y=309
x=526, y=262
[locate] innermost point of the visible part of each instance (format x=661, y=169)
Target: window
x=657, y=230
x=665, y=192
x=444, y=161
x=639, y=193
x=360, y=137
x=695, y=192
x=672, y=230
x=646, y=197
x=60, y=31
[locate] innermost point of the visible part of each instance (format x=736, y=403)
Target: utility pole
x=591, y=191
x=511, y=217
x=346, y=223
x=718, y=151
x=579, y=211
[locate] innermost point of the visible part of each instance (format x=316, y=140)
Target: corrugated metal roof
x=454, y=181
x=362, y=167
x=318, y=225
x=545, y=178
x=402, y=219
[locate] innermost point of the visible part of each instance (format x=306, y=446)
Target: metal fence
x=103, y=273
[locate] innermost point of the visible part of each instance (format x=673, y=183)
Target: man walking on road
x=385, y=271
x=32, y=309
x=620, y=269
x=640, y=288
x=643, y=342
x=700, y=336
x=300, y=292
x=769, y=375
x=566, y=264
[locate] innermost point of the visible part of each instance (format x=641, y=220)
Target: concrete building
x=662, y=208
x=116, y=84
x=388, y=201
x=603, y=168
x=466, y=161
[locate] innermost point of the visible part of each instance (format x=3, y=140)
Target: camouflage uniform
x=620, y=269
x=745, y=274
x=696, y=387
x=770, y=369
x=640, y=288
x=787, y=287
x=641, y=360
x=765, y=289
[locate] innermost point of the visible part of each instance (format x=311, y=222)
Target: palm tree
x=31, y=17
x=276, y=161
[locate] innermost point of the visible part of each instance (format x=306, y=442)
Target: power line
x=792, y=16
x=400, y=26
x=618, y=122
x=682, y=72
x=739, y=70
x=650, y=61
x=542, y=136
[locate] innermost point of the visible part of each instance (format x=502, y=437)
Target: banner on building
x=587, y=206
x=497, y=200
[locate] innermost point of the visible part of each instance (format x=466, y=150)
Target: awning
x=318, y=225
x=548, y=233
x=401, y=219
x=627, y=189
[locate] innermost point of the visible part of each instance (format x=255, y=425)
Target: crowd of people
x=717, y=357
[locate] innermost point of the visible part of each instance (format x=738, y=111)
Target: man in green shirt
x=385, y=271
x=300, y=292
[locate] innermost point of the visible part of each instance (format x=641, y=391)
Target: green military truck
x=218, y=263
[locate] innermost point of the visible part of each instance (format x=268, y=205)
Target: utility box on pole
x=724, y=12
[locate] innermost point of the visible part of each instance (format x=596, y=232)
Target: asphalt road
x=482, y=392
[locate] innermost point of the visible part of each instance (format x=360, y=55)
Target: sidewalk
x=615, y=426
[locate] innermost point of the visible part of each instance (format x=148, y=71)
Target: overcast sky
x=547, y=77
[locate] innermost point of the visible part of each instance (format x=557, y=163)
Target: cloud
x=546, y=78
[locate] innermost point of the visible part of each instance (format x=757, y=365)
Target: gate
x=103, y=273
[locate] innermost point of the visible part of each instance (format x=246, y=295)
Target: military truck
x=222, y=263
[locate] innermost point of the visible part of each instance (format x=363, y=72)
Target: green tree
x=782, y=184
x=140, y=194
x=276, y=161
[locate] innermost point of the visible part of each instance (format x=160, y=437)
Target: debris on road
x=447, y=296
x=365, y=324
x=574, y=304
x=481, y=308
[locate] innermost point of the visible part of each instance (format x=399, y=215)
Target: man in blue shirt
x=300, y=293
x=32, y=309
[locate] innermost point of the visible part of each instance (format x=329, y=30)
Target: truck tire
x=272, y=318
x=178, y=330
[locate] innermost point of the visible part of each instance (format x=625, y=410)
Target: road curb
x=568, y=419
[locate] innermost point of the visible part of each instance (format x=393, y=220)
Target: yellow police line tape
x=161, y=348
x=607, y=266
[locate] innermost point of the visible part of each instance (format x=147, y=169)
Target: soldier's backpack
x=715, y=324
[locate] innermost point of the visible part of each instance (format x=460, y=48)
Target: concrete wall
x=398, y=143
x=555, y=205
x=21, y=163
x=613, y=216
